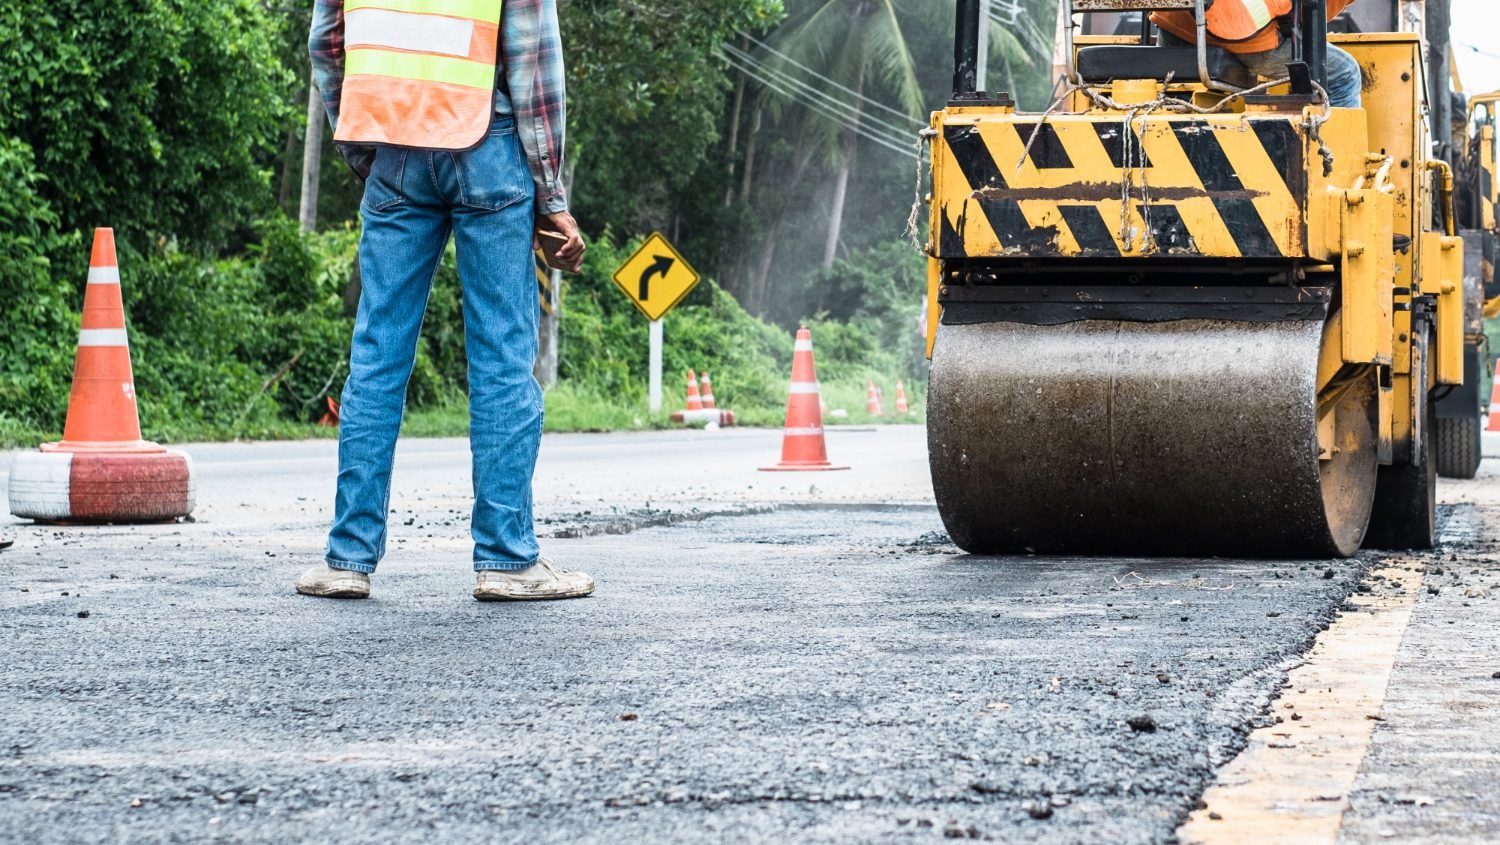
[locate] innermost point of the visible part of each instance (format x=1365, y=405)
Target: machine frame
x=1153, y=205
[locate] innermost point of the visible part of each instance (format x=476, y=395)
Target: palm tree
x=858, y=44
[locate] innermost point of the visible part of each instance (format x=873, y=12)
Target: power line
x=862, y=130
x=847, y=111
x=1471, y=48
x=824, y=99
x=817, y=101
x=850, y=91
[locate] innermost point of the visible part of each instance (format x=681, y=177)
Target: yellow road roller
x=1467, y=140
x=1177, y=316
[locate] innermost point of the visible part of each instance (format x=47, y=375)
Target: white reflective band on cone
x=402, y=31
x=104, y=275
x=802, y=346
x=804, y=387
x=812, y=431
x=102, y=337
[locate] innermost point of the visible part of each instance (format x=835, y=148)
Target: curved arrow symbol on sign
x=659, y=267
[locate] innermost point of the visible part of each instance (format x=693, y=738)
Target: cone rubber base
x=1194, y=437
x=802, y=468
x=102, y=487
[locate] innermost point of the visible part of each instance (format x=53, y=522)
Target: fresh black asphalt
x=803, y=675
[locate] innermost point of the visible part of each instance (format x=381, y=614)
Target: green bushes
x=160, y=122
x=206, y=338
x=35, y=297
x=157, y=117
x=604, y=340
x=250, y=346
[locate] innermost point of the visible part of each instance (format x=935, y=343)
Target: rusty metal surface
x=1195, y=437
x=1474, y=272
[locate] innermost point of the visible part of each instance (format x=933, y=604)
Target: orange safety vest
x=1239, y=26
x=419, y=73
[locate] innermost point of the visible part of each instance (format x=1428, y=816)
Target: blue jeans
x=413, y=201
x=1345, y=79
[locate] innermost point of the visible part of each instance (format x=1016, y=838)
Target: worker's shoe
x=327, y=582
x=539, y=582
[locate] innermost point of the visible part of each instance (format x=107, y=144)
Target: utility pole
x=981, y=71
x=312, y=159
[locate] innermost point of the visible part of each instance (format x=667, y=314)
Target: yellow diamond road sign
x=656, y=278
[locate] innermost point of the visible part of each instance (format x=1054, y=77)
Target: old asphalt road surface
x=769, y=658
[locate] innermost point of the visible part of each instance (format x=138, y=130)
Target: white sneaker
x=323, y=580
x=539, y=582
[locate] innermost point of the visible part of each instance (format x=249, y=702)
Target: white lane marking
x=1291, y=784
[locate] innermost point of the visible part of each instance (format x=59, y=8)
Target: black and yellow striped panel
x=1222, y=186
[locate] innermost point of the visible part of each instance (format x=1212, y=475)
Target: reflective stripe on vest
x=1237, y=20
x=419, y=73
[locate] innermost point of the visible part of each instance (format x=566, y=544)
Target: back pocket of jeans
x=494, y=174
x=383, y=188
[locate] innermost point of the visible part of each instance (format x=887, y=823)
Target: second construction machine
x=1176, y=318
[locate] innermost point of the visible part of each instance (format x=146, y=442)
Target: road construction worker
x=452, y=114
x=1251, y=31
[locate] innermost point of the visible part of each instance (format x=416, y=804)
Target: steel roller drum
x=1192, y=437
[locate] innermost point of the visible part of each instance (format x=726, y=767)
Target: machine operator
x=1251, y=31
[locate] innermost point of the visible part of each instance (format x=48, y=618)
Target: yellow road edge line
x=1291, y=784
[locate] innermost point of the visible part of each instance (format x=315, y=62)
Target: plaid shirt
x=532, y=91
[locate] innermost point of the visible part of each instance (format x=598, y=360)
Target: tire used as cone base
x=102, y=487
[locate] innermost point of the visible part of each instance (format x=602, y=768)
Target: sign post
x=655, y=279
x=654, y=392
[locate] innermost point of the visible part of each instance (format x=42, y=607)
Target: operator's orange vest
x=419, y=73
x=1239, y=26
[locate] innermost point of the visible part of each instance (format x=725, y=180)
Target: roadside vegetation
x=185, y=133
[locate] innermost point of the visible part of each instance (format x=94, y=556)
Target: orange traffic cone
x=901, y=406
x=1494, y=421
x=102, y=471
x=872, y=399
x=331, y=418
x=693, y=402
x=708, y=391
x=802, y=444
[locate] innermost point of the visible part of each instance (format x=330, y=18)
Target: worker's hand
x=565, y=252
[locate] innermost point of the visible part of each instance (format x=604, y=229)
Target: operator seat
x=1108, y=62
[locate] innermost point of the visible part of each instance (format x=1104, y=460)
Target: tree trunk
x=312, y=159
x=762, y=273
x=836, y=211
x=549, y=333
x=284, y=193
x=545, y=369
x=841, y=183
x=750, y=157
x=354, y=288
x=734, y=129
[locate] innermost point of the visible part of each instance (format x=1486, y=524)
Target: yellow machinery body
x=1469, y=144
x=1192, y=330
